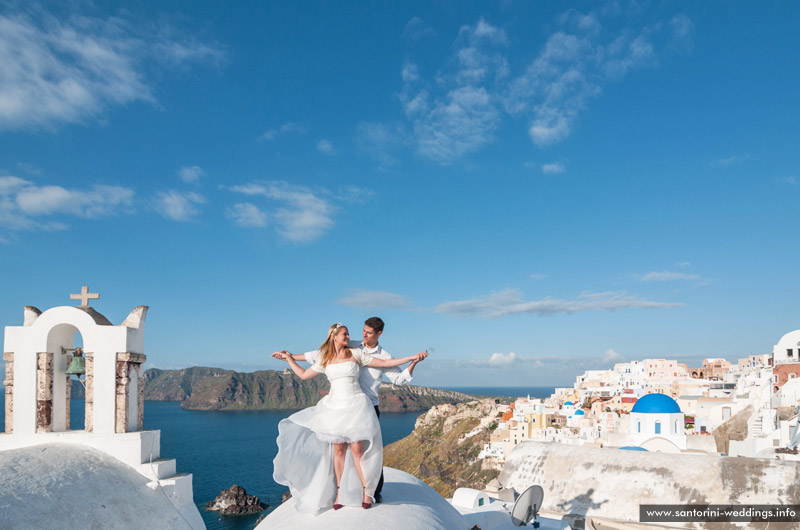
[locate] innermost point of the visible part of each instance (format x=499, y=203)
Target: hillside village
x=749, y=408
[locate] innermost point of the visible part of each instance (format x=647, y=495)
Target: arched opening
x=77, y=402
x=61, y=400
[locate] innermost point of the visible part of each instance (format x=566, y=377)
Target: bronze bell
x=78, y=364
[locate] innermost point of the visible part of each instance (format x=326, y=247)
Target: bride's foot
x=367, y=500
x=336, y=505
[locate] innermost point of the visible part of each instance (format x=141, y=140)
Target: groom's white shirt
x=370, y=378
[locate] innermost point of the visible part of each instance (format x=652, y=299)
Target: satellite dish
x=527, y=505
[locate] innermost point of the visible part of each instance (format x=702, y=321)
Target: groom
x=370, y=378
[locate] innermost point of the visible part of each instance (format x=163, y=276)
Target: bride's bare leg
x=339, y=454
x=358, y=451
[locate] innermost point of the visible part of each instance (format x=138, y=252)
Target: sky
x=526, y=189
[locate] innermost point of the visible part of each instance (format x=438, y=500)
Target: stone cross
x=85, y=296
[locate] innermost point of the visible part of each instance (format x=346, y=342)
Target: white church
x=107, y=475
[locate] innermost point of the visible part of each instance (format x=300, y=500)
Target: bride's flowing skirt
x=305, y=452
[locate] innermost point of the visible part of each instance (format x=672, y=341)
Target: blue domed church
x=657, y=424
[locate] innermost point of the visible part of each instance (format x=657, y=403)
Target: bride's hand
x=282, y=355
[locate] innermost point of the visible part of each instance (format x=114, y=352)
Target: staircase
x=756, y=425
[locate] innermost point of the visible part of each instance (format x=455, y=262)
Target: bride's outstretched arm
x=390, y=363
x=284, y=355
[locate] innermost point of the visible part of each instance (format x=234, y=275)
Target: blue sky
x=531, y=189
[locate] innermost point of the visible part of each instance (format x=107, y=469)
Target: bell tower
x=40, y=359
x=41, y=356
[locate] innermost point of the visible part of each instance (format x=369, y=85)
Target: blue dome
x=633, y=448
x=656, y=404
x=580, y=413
x=568, y=404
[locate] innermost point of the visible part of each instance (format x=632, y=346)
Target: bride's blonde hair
x=327, y=349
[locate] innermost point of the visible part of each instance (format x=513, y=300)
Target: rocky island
x=236, y=501
x=201, y=388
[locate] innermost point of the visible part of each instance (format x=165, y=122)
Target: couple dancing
x=313, y=458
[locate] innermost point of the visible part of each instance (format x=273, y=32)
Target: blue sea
x=225, y=448
x=505, y=391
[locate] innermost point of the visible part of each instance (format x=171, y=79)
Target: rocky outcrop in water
x=236, y=501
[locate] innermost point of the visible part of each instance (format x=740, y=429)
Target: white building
x=657, y=424
x=107, y=474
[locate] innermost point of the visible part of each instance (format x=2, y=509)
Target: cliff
x=442, y=450
x=201, y=388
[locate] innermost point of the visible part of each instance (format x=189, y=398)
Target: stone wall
x=8, y=357
x=612, y=483
x=44, y=392
x=129, y=393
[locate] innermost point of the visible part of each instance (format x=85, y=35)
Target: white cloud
x=501, y=359
x=682, y=32
x=382, y=141
x=10, y=184
x=683, y=264
x=254, y=188
x=99, y=201
x=300, y=215
x=729, y=161
x=354, y=194
x=21, y=202
x=410, y=73
x=511, y=302
x=789, y=180
x=505, y=360
x=71, y=68
x=326, y=147
x=247, y=214
x=667, y=276
x=553, y=168
x=374, y=300
x=458, y=112
x=416, y=29
x=286, y=128
x=569, y=71
x=190, y=174
x=537, y=276
x=177, y=205
x=610, y=356
x=30, y=169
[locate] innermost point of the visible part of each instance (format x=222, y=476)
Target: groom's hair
x=375, y=323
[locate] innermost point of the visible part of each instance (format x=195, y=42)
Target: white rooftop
x=408, y=504
x=73, y=486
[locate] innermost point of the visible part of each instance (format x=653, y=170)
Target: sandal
x=338, y=506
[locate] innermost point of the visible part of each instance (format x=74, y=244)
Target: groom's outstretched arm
x=398, y=376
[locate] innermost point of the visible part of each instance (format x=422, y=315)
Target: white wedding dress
x=305, y=452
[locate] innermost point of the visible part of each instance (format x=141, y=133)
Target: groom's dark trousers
x=380, y=482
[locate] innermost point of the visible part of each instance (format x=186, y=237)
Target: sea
x=225, y=448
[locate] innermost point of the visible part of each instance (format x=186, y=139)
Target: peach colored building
x=711, y=369
x=664, y=369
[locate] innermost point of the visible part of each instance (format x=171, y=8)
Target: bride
x=312, y=459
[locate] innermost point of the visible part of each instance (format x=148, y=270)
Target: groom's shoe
x=378, y=498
